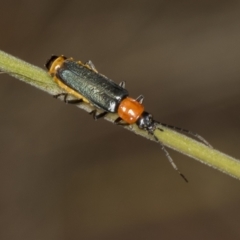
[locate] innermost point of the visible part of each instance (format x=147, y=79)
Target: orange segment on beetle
x=130, y=110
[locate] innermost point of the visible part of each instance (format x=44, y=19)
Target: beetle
x=84, y=82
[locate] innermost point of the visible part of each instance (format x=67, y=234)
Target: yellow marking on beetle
x=69, y=90
x=56, y=64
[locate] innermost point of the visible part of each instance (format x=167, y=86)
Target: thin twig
x=39, y=78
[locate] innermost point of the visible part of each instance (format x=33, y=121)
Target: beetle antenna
x=188, y=132
x=171, y=160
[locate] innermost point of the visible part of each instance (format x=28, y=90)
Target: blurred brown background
x=64, y=176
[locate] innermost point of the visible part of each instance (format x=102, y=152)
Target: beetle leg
x=140, y=99
x=74, y=101
x=90, y=64
x=118, y=122
x=65, y=95
x=122, y=84
x=97, y=116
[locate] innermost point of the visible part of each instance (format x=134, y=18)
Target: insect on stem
x=84, y=82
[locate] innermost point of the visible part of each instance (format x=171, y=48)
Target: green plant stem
x=200, y=152
x=39, y=78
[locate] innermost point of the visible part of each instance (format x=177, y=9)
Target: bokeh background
x=64, y=176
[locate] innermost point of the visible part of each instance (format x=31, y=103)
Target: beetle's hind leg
x=65, y=95
x=122, y=84
x=90, y=64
